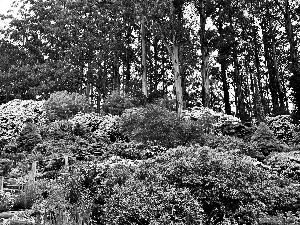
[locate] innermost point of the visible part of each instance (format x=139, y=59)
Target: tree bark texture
x=144, y=66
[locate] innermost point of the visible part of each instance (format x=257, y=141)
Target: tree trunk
x=177, y=78
x=240, y=103
x=294, y=63
x=258, y=90
x=144, y=66
x=269, y=51
x=222, y=60
x=116, y=74
x=205, y=56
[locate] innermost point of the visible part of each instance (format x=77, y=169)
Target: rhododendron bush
x=14, y=113
x=282, y=127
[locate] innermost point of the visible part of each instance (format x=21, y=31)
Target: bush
x=115, y=103
x=282, y=127
x=286, y=163
x=264, y=142
x=29, y=137
x=95, y=125
x=14, y=113
x=226, y=143
x=134, y=150
x=159, y=126
x=6, y=201
x=61, y=129
x=63, y=105
x=138, y=202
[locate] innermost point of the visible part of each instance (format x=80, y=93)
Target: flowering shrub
x=101, y=126
x=286, y=163
x=63, y=105
x=15, y=112
x=211, y=119
x=282, y=127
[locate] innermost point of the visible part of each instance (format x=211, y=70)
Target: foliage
x=63, y=105
x=98, y=126
x=115, y=103
x=238, y=130
x=282, y=127
x=134, y=150
x=160, y=126
x=140, y=202
x=25, y=199
x=60, y=129
x=6, y=201
x=29, y=137
x=286, y=163
x=226, y=143
x=37, y=80
x=214, y=122
x=15, y=112
x=264, y=142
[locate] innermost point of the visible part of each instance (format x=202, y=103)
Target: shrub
x=138, y=202
x=6, y=201
x=29, y=137
x=227, y=186
x=115, y=103
x=159, y=126
x=14, y=113
x=134, y=150
x=63, y=105
x=282, y=127
x=61, y=129
x=226, y=143
x=286, y=163
x=95, y=125
x=25, y=199
x=264, y=142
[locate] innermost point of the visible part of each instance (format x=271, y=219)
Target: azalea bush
x=98, y=126
x=63, y=105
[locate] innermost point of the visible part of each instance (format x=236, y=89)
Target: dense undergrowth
x=144, y=165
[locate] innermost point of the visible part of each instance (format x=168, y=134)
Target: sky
x=5, y=5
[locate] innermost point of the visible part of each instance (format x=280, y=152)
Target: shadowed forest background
x=240, y=57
